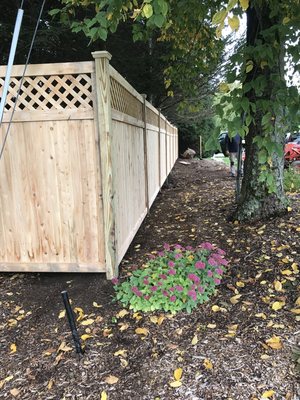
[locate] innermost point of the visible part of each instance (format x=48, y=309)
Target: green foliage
x=291, y=180
x=175, y=279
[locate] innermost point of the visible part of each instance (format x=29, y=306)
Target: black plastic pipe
x=72, y=322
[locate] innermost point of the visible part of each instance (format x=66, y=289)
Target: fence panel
x=84, y=161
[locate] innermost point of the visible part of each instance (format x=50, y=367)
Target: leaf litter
x=238, y=346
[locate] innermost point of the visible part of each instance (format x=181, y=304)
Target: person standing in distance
x=232, y=149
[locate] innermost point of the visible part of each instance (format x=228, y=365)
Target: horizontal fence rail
x=85, y=158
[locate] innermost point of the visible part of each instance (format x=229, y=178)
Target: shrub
x=291, y=180
x=174, y=279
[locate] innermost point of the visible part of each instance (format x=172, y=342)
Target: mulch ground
x=241, y=350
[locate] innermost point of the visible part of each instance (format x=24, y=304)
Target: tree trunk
x=256, y=200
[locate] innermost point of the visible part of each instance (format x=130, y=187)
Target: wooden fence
x=84, y=161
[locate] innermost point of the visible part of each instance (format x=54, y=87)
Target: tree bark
x=256, y=201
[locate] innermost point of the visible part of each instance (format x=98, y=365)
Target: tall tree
x=262, y=103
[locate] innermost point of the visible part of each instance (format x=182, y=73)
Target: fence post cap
x=101, y=54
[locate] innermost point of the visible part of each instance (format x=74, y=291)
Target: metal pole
x=72, y=322
x=11, y=60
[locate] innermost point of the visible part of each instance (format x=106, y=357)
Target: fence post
x=145, y=153
x=104, y=127
x=159, y=150
x=200, y=147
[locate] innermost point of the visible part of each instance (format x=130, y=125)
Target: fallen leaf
x=103, y=396
x=88, y=321
x=13, y=348
x=207, y=364
x=211, y=326
x=297, y=302
x=274, y=342
x=123, y=326
x=62, y=314
x=122, y=313
x=261, y=315
x=175, y=384
x=7, y=379
x=15, y=392
x=50, y=384
x=178, y=374
x=121, y=353
x=278, y=286
x=286, y=272
x=295, y=311
x=235, y=299
x=240, y=284
x=277, y=305
x=96, y=305
x=264, y=356
x=268, y=394
x=111, y=379
x=79, y=311
x=215, y=308
x=63, y=347
x=142, y=331
x=195, y=340
x=85, y=336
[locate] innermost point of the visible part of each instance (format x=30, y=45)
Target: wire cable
x=22, y=78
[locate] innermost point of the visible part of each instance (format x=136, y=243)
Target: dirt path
x=191, y=208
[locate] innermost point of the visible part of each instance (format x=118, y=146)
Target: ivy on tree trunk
x=262, y=193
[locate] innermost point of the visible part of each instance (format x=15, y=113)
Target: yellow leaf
x=215, y=308
x=295, y=268
x=207, y=364
x=224, y=87
x=88, y=321
x=289, y=209
x=62, y=314
x=195, y=340
x=286, y=272
x=142, y=331
x=277, y=305
x=175, y=384
x=295, y=311
x=278, y=286
x=178, y=374
x=63, y=347
x=103, y=396
x=79, y=311
x=96, y=305
x=235, y=299
x=85, y=337
x=244, y=4
x=268, y=394
x=234, y=23
x=137, y=316
x=264, y=356
x=211, y=326
x=121, y=353
x=249, y=66
x=7, y=379
x=261, y=315
x=13, y=348
x=111, y=379
x=274, y=342
x=240, y=284
x=122, y=313
x=50, y=384
x=297, y=302
x=219, y=17
x=286, y=20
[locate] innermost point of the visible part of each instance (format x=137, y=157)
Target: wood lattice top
x=50, y=92
x=122, y=100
